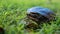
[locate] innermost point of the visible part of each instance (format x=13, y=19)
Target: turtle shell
x=40, y=14
x=42, y=11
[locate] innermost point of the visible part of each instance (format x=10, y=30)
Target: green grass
x=12, y=11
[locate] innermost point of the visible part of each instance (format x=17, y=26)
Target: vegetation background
x=12, y=11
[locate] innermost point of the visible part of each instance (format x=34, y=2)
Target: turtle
x=39, y=15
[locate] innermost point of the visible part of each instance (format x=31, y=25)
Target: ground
x=13, y=11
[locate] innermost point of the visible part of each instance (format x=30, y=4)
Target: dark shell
x=41, y=11
x=40, y=14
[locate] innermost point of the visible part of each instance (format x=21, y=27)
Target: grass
x=12, y=11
